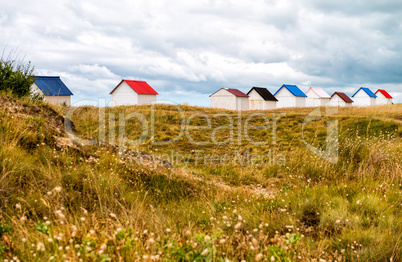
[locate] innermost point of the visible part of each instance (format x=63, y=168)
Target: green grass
x=238, y=201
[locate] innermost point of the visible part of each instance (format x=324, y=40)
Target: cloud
x=92, y=72
x=189, y=49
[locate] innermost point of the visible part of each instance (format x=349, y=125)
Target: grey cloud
x=198, y=47
x=357, y=7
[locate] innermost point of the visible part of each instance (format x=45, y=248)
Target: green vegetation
x=15, y=78
x=99, y=198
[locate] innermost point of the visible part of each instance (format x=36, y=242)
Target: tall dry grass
x=93, y=203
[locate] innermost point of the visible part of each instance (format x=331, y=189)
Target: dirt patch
x=54, y=121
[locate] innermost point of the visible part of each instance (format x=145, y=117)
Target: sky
x=186, y=50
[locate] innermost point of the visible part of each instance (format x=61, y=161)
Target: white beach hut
x=383, y=98
x=52, y=89
x=133, y=92
x=290, y=96
x=316, y=96
x=340, y=99
x=231, y=99
x=364, y=97
x=261, y=99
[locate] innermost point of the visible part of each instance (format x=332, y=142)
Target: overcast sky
x=186, y=50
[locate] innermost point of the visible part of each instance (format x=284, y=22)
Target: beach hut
x=290, y=96
x=231, y=99
x=316, y=96
x=261, y=99
x=339, y=99
x=364, y=97
x=133, y=92
x=52, y=89
x=383, y=98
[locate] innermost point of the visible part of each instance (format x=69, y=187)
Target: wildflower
x=57, y=189
x=23, y=218
x=237, y=226
x=222, y=241
x=40, y=246
x=113, y=215
x=103, y=246
x=259, y=257
x=204, y=252
x=18, y=206
x=60, y=214
x=272, y=259
x=207, y=238
x=225, y=218
x=49, y=240
x=91, y=231
x=151, y=241
x=168, y=230
x=338, y=221
x=48, y=222
x=255, y=242
x=240, y=218
x=170, y=245
x=24, y=240
x=82, y=219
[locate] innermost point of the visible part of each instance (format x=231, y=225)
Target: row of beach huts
x=259, y=98
x=135, y=92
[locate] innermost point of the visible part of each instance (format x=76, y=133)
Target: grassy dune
x=169, y=183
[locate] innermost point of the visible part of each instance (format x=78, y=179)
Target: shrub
x=16, y=78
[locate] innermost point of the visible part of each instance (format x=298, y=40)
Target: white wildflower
x=254, y=241
x=259, y=257
x=204, y=252
x=40, y=246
